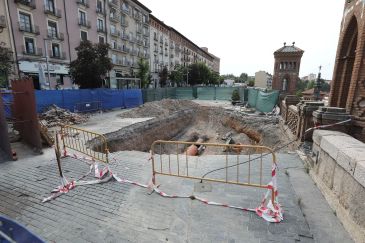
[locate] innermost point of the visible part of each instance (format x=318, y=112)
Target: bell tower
x=286, y=68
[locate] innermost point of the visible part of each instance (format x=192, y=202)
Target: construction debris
x=56, y=116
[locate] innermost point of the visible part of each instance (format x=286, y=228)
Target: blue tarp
x=109, y=98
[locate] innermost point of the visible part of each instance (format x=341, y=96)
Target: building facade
x=348, y=85
x=263, y=80
x=6, y=40
x=46, y=33
x=286, y=68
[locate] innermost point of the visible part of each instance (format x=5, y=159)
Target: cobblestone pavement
x=114, y=212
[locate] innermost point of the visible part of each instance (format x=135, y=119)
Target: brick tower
x=286, y=69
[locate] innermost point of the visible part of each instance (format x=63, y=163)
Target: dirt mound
x=160, y=108
x=56, y=116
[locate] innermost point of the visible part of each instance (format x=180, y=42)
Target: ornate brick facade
x=286, y=69
x=348, y=85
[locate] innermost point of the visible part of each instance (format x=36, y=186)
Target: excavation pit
x=182, y=120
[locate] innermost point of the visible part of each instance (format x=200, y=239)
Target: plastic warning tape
x=271, y=212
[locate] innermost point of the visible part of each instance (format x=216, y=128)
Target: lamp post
x=317, y=87
x=47, y=63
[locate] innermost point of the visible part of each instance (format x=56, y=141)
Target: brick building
x=348, y=85
x=286, y=68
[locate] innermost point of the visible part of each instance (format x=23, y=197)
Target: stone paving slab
x=114, y=212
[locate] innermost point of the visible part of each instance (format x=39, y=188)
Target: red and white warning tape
x=271, y=212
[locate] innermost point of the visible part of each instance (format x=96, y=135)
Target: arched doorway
x=345, y=65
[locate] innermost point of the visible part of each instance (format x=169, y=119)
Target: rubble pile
x=56, y=116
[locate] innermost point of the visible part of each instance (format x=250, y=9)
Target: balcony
x=134, y=52
x=155, y=38
x=114, y=3
x=33, y=52
x=172, y=46
x=161, y=40
x=114, y=18
x=125, y=36
x=100, y=29
x=137, y=16
x=60, y=55
x=155, y=51
x=115, y=33
x=54, y=12
x=146, y=55
x=2, y=21
x=139, y=42
x=100, y=11
x=33, y=29
x=55, y=36
x=84, y=3
x=146, y=44
x=124, y=23
x=85, y=23
x=146, y=33
x=29, y=3
x=124, y=9
x=139, y=30
x=172, y=56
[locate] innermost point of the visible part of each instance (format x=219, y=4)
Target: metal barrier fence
x=245, y=171
x=86, y=142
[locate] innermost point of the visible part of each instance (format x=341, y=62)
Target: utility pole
x=317, y=87
x=47, y=63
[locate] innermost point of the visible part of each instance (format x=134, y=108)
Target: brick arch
x=345, y=65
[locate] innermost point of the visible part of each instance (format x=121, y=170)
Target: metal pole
x=187, y=76
x=47, y=63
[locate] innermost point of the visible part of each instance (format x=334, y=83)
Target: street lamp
x=47, y=63
x=317, y=87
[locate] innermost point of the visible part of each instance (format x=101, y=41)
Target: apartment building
x=46, y=33
x=129, y=33
x=6, y=38
x=39, y=29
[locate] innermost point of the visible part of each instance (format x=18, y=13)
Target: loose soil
x=183, y=120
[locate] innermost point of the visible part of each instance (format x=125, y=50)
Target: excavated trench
x=187, y=121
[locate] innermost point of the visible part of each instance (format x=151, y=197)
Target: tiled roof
x=289, y=49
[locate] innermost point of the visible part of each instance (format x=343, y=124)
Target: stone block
x=332, y=144
x=318, y=134
x=326, y=168
x=347, y=158
x=338, y=181
x=359, y=174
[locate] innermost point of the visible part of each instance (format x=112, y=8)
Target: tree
x=163, y=76
x=143, y=75
x=91, y=64
x=235, y=95
x=199, y=73
x=6, y=61
x=251, y=83
x=243, y=77
x=177, y=75
x=214, y=78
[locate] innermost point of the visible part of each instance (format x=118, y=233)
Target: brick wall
x=348, y=86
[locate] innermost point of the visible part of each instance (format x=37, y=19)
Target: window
x=83, y=35
x=114, y=44
x=82, y=16
x=101, y=39
x=100, y=25
x=144, y=18
x=99, y=6
x=155, y=36
x=114, y=58
x=52, y=29
x=25, y=22
x=125, y=7
x=56, y=50
x=113, y=13
x=29, y=45
x=113, y=29
x=50, y=6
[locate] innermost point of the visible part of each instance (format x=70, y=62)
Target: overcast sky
x=244, y=34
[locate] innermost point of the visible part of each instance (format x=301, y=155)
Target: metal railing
x=86, y=142
x=29, y=3
x=34, y=29
x=241, y=164
x=52, y=11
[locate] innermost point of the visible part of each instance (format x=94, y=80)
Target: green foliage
x=177, y=75
x=243, y=78
x=5, y=65
x=251, y=83
x=163, y=76
x=143, y=73
x=311, y=84
x=199, y=73
x=235, y=95
x=91, y=64
x=214, y=78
